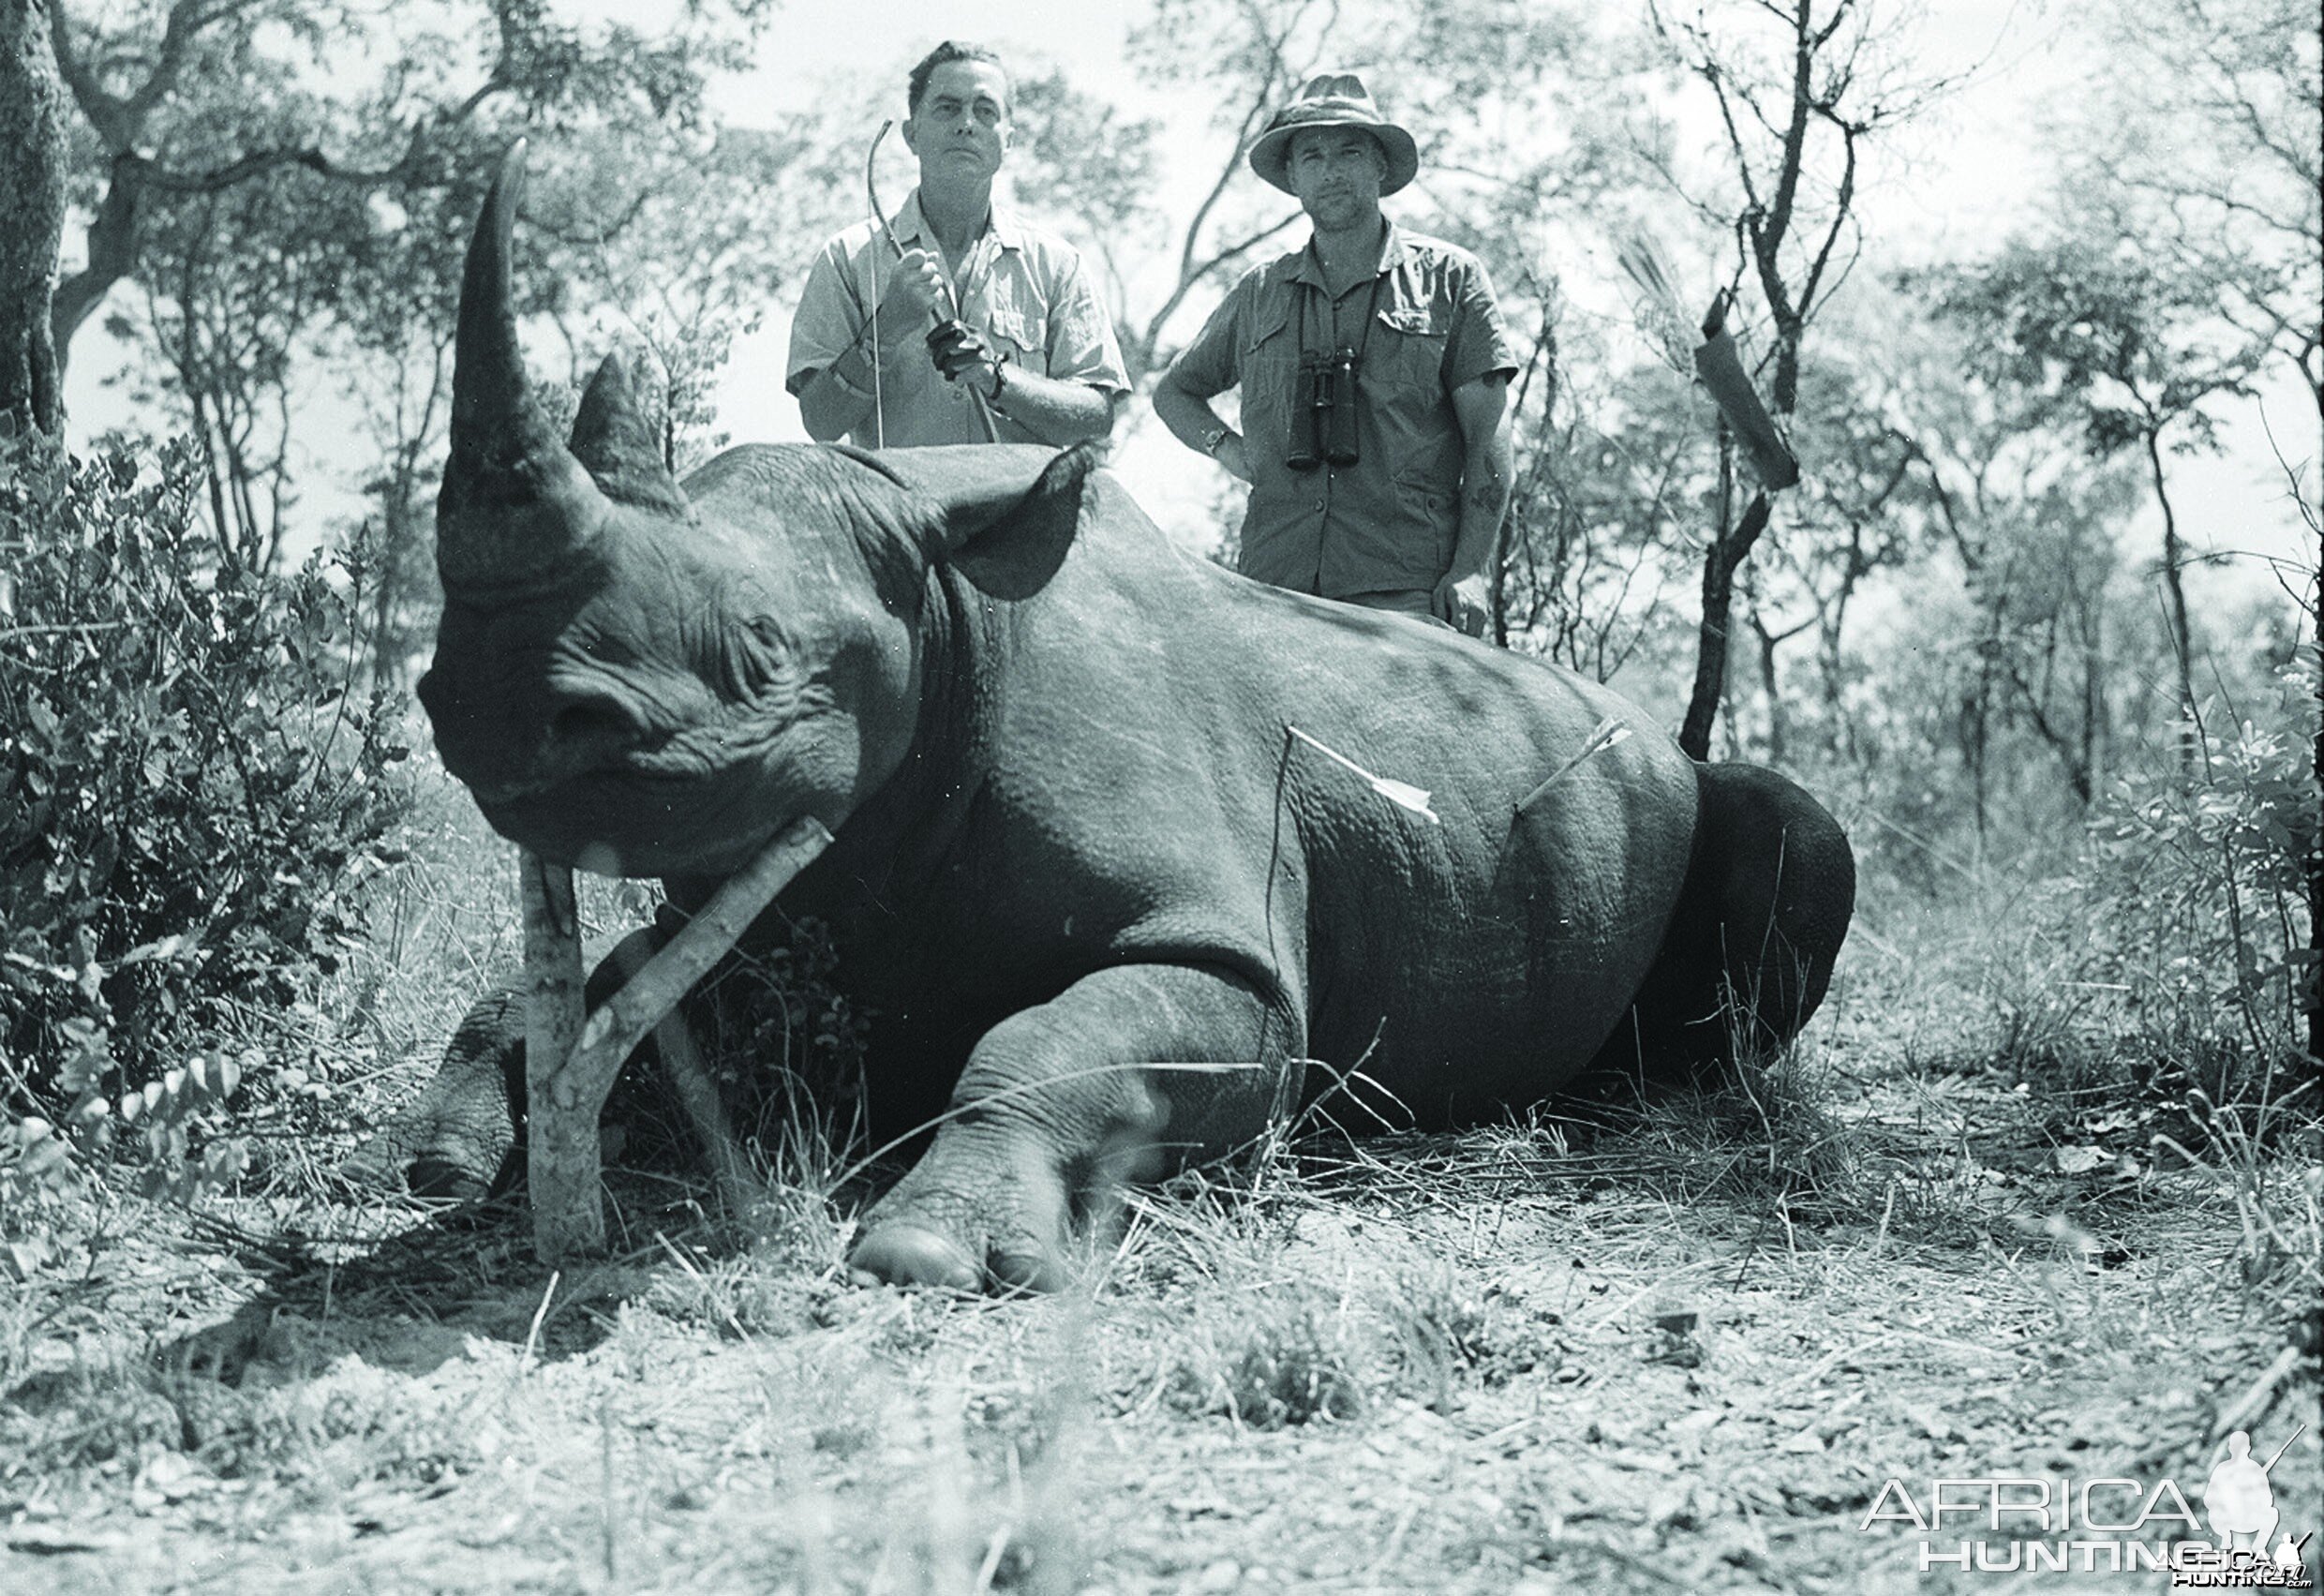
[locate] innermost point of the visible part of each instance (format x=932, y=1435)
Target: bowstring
x=879, y=411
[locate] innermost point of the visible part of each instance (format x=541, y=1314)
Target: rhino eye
x=608, y=647
x=754, y=658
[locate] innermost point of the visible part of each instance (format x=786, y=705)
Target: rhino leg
x=458, y=1138
x=464, y=1135
x=1055, y=1108
x=1759, y=923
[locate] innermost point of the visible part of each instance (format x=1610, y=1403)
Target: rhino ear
x=615, y=443
x=1007, y=512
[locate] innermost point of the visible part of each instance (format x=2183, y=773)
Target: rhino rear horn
x=616, y=444
x=514, y=501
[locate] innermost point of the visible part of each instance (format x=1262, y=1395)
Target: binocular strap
x=1371, y=311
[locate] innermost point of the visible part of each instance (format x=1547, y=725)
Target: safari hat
x=1333, y=100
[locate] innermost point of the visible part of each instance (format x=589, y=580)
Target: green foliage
x=191, y=804
x=2197, y=909
x=2171, y=965
x=2103, y=335
x=2199, y=140
x=665, y=244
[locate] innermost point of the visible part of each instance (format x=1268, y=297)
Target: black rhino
x=1092, y=801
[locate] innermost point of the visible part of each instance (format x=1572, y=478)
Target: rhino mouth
x=630, y=823
x=637, y=780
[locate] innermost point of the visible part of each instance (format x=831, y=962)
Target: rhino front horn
x=514, y=501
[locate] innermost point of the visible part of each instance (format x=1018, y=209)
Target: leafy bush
x=2198, y=913
x=193, y=794
x=2158, y=980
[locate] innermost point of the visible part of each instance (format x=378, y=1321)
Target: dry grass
x=1677, y=1344
x=1583, y=1375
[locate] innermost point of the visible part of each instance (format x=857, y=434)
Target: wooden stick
x=654, y=991
x=692, y=1084
x=565, y=1099
x=562, y=1163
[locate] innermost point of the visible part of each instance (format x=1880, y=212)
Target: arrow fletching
x=1404, y=795
x=1661, y=316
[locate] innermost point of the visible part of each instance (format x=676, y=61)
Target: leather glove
x=958, y=349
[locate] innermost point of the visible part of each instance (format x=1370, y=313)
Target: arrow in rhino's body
x=1608, y=733
x=1402, y=794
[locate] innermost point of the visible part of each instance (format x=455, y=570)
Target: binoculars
x=1323, y=411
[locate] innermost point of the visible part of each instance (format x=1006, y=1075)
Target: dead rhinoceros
x=1077, y=833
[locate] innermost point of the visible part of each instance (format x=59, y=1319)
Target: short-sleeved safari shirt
x=1389, y=522
x=1021, y=287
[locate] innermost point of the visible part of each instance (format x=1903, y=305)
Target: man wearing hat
x=1373, y=368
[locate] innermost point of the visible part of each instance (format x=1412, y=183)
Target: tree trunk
x=1711, y=651
x=112, y=240
x=2174, y=584
x=402, y=533
x=32, y=199
x=2094, y=696
x=2315, y=996
x=1777, y=737
x=1729, y=547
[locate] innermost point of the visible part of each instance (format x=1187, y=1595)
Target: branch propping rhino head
x=515, y=502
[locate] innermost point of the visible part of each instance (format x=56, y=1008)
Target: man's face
x=1336, y=172
x=961, y=130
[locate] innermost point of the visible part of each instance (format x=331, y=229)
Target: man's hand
x=1231, y=455
x=962, y=352
x=1481, y=408
x=916, y=292
x=1465, y=602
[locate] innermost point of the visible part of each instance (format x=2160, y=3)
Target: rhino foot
x=456, y=1138
x=972, y=1216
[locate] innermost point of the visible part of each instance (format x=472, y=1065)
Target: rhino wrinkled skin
x=1073, y=835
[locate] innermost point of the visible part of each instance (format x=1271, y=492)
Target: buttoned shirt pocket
x=1269, y=363
x=1415, y=337
x=1020, y=325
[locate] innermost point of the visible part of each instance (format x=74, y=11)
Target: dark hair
x=950, y=50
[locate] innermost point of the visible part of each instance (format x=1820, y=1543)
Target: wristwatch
x=1212, y=439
